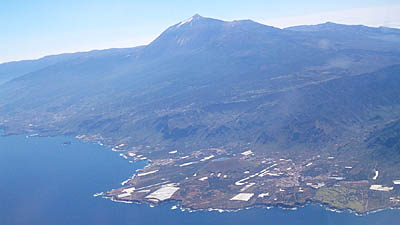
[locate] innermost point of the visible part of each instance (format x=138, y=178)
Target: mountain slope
x=12, y=70
x=319, y=103
x=196, y=70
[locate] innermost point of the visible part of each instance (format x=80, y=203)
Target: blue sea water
x=43, y=182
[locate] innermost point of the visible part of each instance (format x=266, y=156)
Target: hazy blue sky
x=34, y=28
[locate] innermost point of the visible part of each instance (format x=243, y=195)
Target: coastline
x=184, y=208
x=176, y=205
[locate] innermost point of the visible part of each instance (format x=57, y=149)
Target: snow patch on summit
x=185, y=21
x=188, y=20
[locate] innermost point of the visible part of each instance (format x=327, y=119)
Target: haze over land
x=288, y=115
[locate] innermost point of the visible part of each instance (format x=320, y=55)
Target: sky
x=31, y=29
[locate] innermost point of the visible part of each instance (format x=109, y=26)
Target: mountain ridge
x=234, y=21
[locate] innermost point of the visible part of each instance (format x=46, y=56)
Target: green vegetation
x=340, y=197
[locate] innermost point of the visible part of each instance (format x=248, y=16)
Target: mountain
x=196, y=69
x=355, y=36
x=301, y=92
x=209, y=82
x=334, y=27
